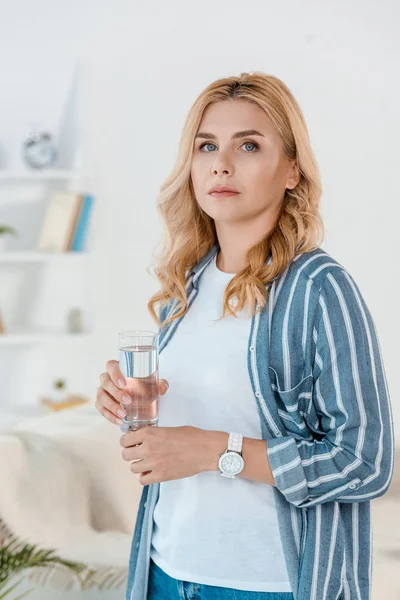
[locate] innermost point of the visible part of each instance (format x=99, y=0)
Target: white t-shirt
x=209, y=529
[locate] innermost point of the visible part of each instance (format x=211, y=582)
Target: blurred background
x=93, y=98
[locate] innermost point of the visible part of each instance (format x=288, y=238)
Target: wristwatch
x=231, y=461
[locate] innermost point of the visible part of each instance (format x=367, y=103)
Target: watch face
x=232, y=463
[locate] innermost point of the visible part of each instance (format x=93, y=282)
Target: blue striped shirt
x=318, y=379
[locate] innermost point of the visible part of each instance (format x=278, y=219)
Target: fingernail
x=121, y=383
x=121, y=413
x=119, y=421
x=126, y=399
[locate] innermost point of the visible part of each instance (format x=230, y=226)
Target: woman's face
x=252, y=164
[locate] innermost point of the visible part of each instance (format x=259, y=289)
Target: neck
x=230, y=263
x=234, y=244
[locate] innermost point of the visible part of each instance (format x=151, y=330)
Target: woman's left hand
x=166, y=453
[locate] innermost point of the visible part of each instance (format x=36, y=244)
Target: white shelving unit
x=38, y=289
x=22, y=258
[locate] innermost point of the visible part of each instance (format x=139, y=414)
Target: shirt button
x=137, y=545
x=258, y=394
x=252, y=348
x=144, y=505
x=352, y=486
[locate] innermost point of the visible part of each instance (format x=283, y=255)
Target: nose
x=222, y=162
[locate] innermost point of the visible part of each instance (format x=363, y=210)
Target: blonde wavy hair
x=190, y=233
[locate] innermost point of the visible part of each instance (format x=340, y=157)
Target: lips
x=222, y=191
x=222, y=188
x=223, y=194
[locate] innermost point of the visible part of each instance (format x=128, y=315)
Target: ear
x=293, y=176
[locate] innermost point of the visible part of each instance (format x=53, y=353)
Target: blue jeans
x=162, y=586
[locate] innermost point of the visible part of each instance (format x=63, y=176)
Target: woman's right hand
x=111, y=392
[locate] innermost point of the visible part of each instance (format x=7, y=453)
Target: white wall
x=146, y=63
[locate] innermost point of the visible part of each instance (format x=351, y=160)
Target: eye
x=244, y=144
x=251, y=144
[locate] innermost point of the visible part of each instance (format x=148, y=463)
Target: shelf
x=45, y=175
x=39, y=337
x=32, y=256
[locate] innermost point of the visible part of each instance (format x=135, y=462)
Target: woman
x=289, y=378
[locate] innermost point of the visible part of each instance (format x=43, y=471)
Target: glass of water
x=138, y=362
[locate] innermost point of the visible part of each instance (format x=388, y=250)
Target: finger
x=163, y=386
x=133, y=453
x=133, y=438
x=113, y=390
x=115, y=382
x=107, y=406
x=116, y=376
x=109, y=416
x=147, y=477
x=139, y=466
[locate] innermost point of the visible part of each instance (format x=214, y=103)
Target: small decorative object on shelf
x=4, y=230
x=70, y=402
x=59, y=389
x=75, y=321
x=2, y=326
x=39, y=149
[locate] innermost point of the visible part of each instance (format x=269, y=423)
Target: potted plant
x=59, y=391
x=18, y=556
x=4, y=230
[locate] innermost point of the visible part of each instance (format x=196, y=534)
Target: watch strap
x=235, y=442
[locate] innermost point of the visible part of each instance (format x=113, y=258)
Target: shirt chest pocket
x=296, y=408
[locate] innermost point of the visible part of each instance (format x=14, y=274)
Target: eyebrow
x=238, y=134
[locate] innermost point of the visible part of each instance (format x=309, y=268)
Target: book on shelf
x=66, y=222
x=78, y=240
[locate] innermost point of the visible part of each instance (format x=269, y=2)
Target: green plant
x=17, y=556
x=60, y=384
x=7, y=229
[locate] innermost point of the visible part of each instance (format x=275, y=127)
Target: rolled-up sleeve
x=354, y=460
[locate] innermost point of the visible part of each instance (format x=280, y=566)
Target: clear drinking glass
x=138, y=362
